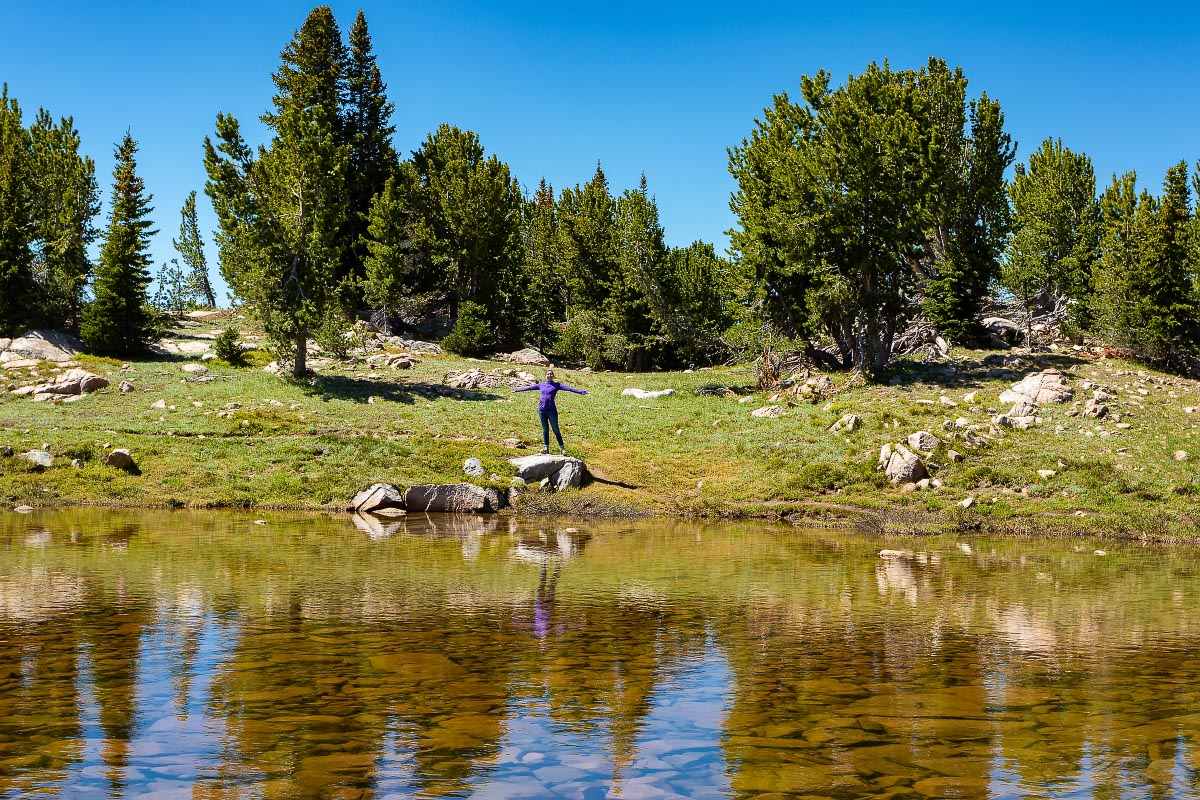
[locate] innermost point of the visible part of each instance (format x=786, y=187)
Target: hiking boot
x=545, y=451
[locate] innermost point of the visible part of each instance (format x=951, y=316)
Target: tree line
x=861, y=208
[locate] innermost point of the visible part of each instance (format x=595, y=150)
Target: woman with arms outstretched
x=547, y=411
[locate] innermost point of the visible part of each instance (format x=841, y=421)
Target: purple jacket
x=548, y=390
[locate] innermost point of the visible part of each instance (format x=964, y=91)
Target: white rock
x=923, y=440
x=1046, y=474
x=642, y=394
x=967, y=502
x=768, y=412
x=846, y=424
x=946, y=401
x=969, y=397
x=1181, y=455
x=195, y=369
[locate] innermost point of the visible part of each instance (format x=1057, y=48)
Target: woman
x=547, y=411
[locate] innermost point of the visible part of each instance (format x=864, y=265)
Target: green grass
x=299, y=446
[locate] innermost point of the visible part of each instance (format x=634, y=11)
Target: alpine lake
x=227, y=655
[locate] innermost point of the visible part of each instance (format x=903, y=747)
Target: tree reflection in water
x=451, y=656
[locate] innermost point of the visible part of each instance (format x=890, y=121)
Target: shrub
x=472, y=334
x=587, y=338
x=228, y=346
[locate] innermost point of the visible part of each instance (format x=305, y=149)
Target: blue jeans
x=549, y=418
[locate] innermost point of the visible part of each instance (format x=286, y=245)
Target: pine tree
x=372, y=159
x=281, y=213
x=587, y=220
x=543, y=292
x=395, y=267
x=636, y=288
x=66, y=200
x=1055, y=229
x=16, y=220
x=190, y=247
x=118, y=320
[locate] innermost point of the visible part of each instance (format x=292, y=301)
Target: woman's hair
x=549, y=374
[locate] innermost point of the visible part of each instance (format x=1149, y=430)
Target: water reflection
x=202, y=655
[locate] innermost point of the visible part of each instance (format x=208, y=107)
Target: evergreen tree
x=697, y=288
x=372, y=160
x=636, y=288
x=174, y=291
x=469, y=210
x=66, y=200
x=190, y=247
x=118, y=321
x=1055, y=229
x=396, y=268
x=587, y=220
x=281, y=214
x=16, y=218
x=544, y=292
x=833, y=201
x=970, y=203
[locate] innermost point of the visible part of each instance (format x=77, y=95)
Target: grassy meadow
x=290, y=445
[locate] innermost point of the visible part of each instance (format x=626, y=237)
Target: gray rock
x=846, y=424
x=6, y=451
x=462, y=498
x=376, y=497
x=643, y=394
x=1040, y=388
x=528, y=357
x=159, y=404
x=77, y=463
x=954, y=455
x=46, y=345
x=904, y=466
x=1006, y=329
x=1023, y=409
x=768, y=412
x=125, y=387
x=473, y=467
x=569, y=477
x=923, y=440
x=119, y=458
x=40, y=459
x=195, y=369
x=533, y=468
x=1095, y=408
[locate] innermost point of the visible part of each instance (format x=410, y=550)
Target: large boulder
x=923, y=440
x=460, y=498
x=529, y=357
x=904, y=466
x=376, y=497
x=563, y=471
x=78, y=381
x=1040, y=388
x=1005, y=329
x=46, y=345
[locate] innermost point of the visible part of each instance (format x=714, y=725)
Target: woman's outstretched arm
x=572, y=389
x=527, y=388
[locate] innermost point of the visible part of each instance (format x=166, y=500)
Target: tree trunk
x=300, y=369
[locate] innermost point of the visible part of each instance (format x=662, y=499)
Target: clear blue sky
x=660, y=88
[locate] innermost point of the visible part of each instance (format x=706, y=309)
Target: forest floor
x=245, y=438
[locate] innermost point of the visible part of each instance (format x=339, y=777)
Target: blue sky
x=659, y=88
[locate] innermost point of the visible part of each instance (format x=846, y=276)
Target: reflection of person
x=544, y=598
x=547, y=411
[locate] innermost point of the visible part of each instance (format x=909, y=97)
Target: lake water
x=201, y=655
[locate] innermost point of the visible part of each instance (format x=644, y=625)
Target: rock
x=119, y=458
x=512, y=444
x=846, y=424
x=377, y=497
x=272, y=368
x=45, y=345
x=529, y=357
x=195, y=369
x=18, y=363
x=768, y=412
x=24, y=509
x=125, y=387
x=6, y=451
x=908, y=487
x=77, y=463
x=969, y=397
x=473, y=467
x=1005, y=329
x=946, y=401
x=954, y=455
x=84, y=380
x=1181, y=455
x=4, y=343
x=885, y=455
x=39, y=459
x=923, y=440
x=1100, y=395
x=41, y=397
x=462, y=498
x=1020, y=423
x=208, y=357
x=1094, y=408
x=1040, y=388
x=1046, y=474
x=159, y=404
x=967, y=502
x=533, y=468
x=642, y=394
x=569, y=477
x=923, y=484
x=904, y=466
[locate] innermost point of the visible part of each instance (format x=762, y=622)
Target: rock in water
x=376, y=497
x=119, y=458
x=473, y=467
x=376, y=528
x=462, y=498
x=40, y=459
x=904, y=466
